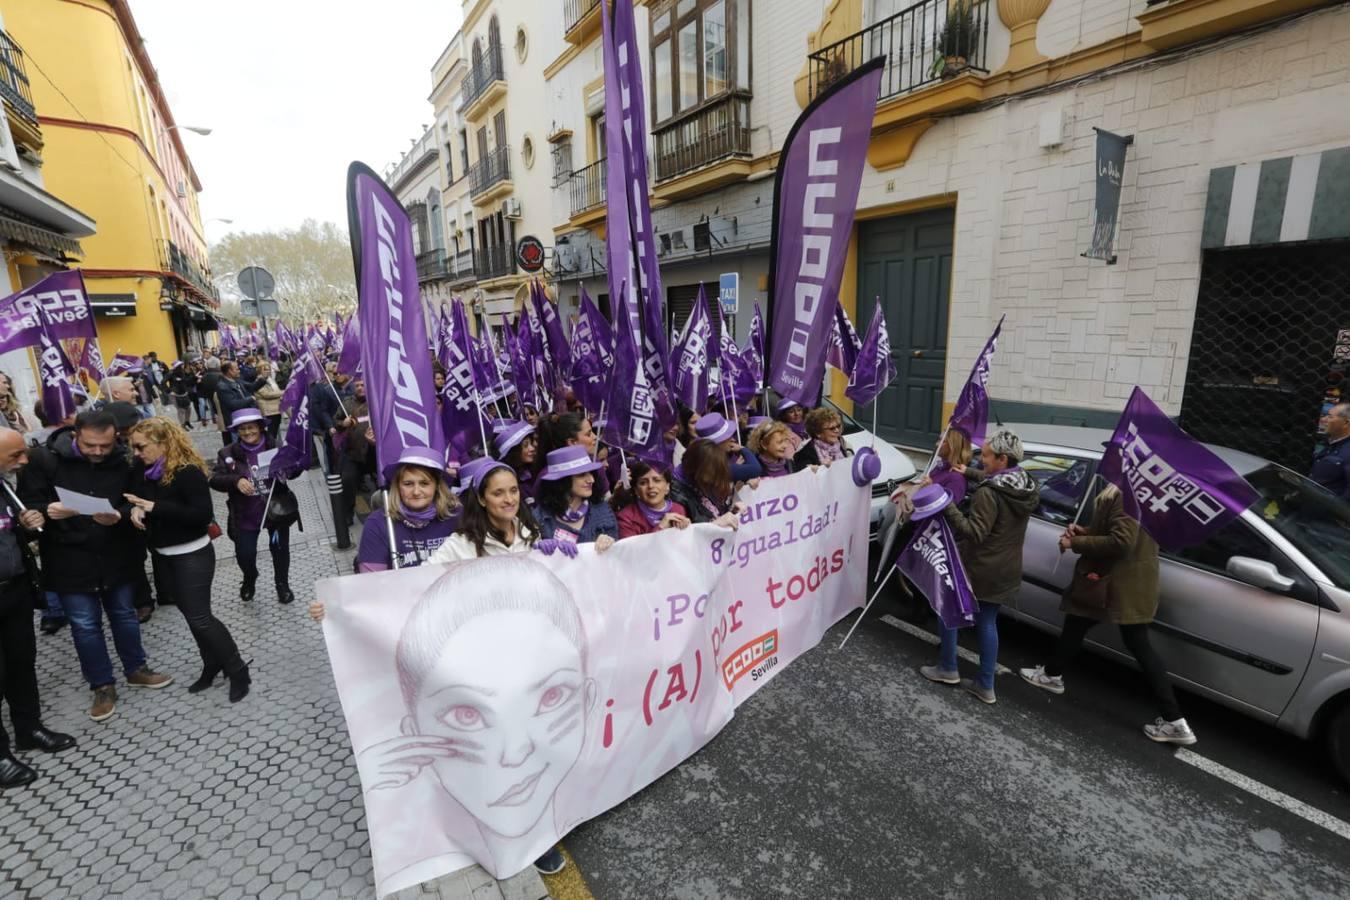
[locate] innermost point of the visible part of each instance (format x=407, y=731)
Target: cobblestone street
x=189, y=796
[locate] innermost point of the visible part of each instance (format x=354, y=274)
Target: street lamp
x=195, y=129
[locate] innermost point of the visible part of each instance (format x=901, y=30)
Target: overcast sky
x=293, y=91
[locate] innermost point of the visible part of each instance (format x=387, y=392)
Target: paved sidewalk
x=183, y=796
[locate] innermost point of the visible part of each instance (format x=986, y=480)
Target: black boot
x=246, y=590
x=209, y=673
x=284, y=594
x=239, y=682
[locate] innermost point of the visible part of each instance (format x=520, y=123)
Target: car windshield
x=1312, y=518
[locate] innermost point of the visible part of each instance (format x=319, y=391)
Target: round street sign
x=530, y=253
x=255, y=282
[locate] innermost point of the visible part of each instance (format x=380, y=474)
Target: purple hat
x=866, y=466
x=472, y=473
x=785, y=404
x=715, y=428
x=510, y=434
x=568, y=461
x=420, y=456
x=243, y=416
x=929, y=501
x=756, y=421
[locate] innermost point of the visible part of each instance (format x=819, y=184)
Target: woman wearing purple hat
x=495, y=520
x=568, y=510
x=423, y=511
x=518, y=447
x=703, y=485
x=793, y=415
x=236, y=474
x=574, y=429
x=715, y=428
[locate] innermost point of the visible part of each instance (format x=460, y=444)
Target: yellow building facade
x=112, y=149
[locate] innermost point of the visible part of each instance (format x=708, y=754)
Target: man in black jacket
x=233, y=394
x=91, y=562
x=18, y=651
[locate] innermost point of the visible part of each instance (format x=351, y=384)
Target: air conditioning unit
x=182, y=189
x=9, y=153
x=511, y=208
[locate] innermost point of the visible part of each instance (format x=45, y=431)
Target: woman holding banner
x=172, y=501
x=237, y=474
x=423, y=511
x=703, y=485
x=772, y=444
x=1115, y=580
x=567, y=510
x=647, y=508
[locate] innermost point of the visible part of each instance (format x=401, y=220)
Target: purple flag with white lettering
x=845, y=345
x=814, y=197
x=631, y=422
x=126, y=364
x=558, y=351
x=971, y=413
x=931, y=563
x=1179, y=490
x=57, y=303
x=592, y=352
x=738, y=382
x=522, y=372
x=293, y=453
x=349, y=358
x=874, y=368
x=58, y=401
x=753, y=351
x=394, y=353
x=693, y=357
x=630, y=241
x=460, y=406
x=91, y=360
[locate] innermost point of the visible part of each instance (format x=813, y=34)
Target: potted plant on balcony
x=958, y=42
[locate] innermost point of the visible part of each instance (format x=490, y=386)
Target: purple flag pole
x=815, y=196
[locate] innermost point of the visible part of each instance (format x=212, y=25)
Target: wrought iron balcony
x=461, y=269
x=491, y=169
x=14, y=86
x=431, y=266
x=587, y=187
x=482, y=75
x=181, y=264
x=929, y=41
x=714, y=131
x=493, y=262
x=574, y=11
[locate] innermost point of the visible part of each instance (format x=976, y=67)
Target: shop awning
x=40, y=238
x=1292, y=198
x=201, y=318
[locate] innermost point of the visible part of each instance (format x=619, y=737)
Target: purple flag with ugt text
x=874, y=369
x=845, y=345
x=971, y=413
x=630, y=241
x=394, y=357
x=293, y=453
x=57, y=303
x=592, y=353
x=931, y=563
x=814, y=197
x=693, y=357
x=1175, y=486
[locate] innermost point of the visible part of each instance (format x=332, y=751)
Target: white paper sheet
x=83, y=504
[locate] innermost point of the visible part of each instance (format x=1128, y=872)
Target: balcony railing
x=929, y=41
x=431, y=265
x=574, y=11
x=14, y=79
x=493, y=262
x=489, y=170
x=182, y=265
x=481, y=76
x=587, y=187
x=462, y=267
x=714, y=131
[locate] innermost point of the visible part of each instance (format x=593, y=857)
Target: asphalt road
x=850, y=775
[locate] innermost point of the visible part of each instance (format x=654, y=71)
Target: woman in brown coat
x=1115, y=580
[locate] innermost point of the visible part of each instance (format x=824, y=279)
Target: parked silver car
x=1256, y=618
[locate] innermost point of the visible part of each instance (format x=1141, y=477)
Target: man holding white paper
x=91, y=559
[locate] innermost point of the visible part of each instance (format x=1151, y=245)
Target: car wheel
x=1338, y=740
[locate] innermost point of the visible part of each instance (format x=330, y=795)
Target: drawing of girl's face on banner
x=492, y=663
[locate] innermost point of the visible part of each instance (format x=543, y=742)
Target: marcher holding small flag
x=825, y=443
x=989, y=540
x=647, y=507
x=568, y=509
x=1115, y=580
x=249, y=501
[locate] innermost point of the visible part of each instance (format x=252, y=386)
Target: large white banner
x=495, y=704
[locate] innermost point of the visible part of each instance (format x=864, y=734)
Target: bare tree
x=312, y=266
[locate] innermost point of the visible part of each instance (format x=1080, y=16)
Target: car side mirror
x=1259, y=573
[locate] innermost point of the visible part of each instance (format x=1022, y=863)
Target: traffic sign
x=255, y=282
x=728, y=291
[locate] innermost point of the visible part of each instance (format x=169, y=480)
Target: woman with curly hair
x=172, y=505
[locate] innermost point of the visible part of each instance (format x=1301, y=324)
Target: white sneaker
x=1037, y=678
x=1165, y=732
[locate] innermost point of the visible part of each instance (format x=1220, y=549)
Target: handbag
x=283, y=510
x=213, y=530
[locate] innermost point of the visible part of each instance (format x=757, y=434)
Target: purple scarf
x=573, y=516
x=828, y=452
x=156, y=472
x=774, y=468
x=654, y=516
x=419, y=518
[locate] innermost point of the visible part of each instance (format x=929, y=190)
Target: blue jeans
x=54, y=609
x=85, y=612
x=986, y=635
x=205, y=412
